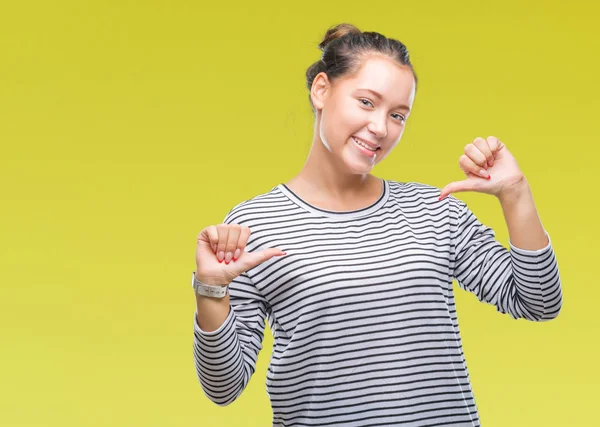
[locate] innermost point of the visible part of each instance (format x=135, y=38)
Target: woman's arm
x=525, y=283
x=522, y=220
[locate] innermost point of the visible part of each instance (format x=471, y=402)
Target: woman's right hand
x=220, y=255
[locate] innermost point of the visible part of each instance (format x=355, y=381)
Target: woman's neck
x=324, y=184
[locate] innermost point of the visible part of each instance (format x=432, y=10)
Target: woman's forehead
x=383, y=79
x=381, y=69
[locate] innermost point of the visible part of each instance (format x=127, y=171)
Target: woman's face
x=352, y=112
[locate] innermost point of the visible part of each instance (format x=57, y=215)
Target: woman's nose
x=378, y=127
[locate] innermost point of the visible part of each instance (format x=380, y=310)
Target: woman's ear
x=319, y=90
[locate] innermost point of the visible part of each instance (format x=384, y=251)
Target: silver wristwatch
x=203, y=289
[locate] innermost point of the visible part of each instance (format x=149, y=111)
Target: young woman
x=361, y=303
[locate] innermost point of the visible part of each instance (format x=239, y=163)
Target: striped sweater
x=362, y=308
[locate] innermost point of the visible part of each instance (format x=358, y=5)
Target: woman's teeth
x=362, y=144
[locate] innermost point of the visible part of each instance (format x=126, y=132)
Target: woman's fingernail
x=236, y=254
x=221, y=256
x=483, y=173
x=228, y=257
x=489, y=177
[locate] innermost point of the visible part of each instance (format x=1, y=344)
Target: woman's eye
x=365, y=101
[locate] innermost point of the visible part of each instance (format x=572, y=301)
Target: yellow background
x=127, y=127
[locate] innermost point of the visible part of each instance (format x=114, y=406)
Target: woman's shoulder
x=413, y=189
x=420, y=193
x=256, y=207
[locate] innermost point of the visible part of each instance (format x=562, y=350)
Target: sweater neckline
x=368, y=210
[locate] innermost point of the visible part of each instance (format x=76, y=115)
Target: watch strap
x=213, y=291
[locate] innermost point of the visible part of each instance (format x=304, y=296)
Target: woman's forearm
x=522, y=220
x=211, y=312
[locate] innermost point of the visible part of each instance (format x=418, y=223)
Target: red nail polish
x=235, y=259
x=489, y=177
x=220, y=260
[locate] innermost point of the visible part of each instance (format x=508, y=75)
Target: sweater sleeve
x=225, y=359
x=523, y=283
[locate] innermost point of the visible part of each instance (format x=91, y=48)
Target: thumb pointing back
x=456, y=187
x=252, y=259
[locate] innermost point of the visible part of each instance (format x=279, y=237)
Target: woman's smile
x=364, y=148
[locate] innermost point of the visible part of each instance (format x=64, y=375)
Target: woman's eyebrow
x=378, y=95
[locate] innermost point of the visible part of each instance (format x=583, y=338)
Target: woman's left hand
x=489, y=167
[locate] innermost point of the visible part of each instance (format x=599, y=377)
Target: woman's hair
x=345, y=47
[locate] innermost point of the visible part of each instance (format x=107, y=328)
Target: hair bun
x=337, y=32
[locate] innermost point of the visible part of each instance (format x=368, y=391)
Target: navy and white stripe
x=362, y=308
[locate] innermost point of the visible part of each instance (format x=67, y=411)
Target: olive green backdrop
x=126, y=127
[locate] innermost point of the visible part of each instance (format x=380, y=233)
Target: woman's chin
x=359, y=164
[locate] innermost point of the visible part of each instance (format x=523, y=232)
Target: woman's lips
x=364, y=150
